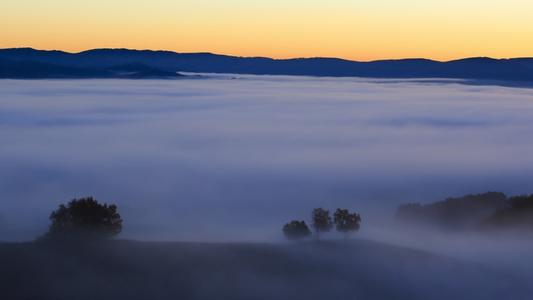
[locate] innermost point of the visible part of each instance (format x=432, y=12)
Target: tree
x=518, y=214
x=296, y=230
x=321, y=221
x=85, y=217
x=346, y=222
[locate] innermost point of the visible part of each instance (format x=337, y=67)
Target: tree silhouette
x=85, y=217
x=296, y=230
x=346, y=222
x=518, y=214
x=321, y=221
x=457, y=213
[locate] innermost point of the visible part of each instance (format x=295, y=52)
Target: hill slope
x=42, y=69
x=519, y=71
x=327, y=270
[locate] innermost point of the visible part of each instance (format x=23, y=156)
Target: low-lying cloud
x=227, y=158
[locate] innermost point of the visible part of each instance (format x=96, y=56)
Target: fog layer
x=234, y=158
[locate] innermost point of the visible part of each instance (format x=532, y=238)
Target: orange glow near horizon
x=359, y=30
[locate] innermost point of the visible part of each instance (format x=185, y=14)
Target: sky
x=353, y=29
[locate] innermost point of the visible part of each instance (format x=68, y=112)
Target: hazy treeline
x=487, y=211
x=481, y=212
x=100, y=268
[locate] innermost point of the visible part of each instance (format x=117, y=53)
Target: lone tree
x=296, y=230
x=346, y=222
x=321, y=221
x=85, y=217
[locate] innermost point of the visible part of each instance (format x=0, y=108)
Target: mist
x=232, y=158
x=248, y=153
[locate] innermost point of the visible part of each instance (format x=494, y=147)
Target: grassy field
x=355, y=269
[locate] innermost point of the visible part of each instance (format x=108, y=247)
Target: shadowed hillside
x=517, y=71
x=41, y=69
x=327, y=270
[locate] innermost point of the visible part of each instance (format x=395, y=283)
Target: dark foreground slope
x=518, y=71
x=328, y=270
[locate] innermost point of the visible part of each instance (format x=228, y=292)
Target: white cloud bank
x=235, y=158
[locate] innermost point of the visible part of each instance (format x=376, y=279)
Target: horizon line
x=267, y=57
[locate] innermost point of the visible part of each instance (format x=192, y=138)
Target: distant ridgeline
x=30, y=63
x=42, y=67
x=488, y=211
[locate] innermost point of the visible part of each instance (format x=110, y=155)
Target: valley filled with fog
x=232, y=158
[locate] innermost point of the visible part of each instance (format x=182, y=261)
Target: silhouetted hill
x=32, y=64
x=516, y=71
x=490, y=210
x=326, y=270
x=35, y=70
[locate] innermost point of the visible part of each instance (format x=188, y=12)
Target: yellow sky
x=354, y=29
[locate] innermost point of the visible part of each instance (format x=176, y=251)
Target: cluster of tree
x=87, y=218
x=84, y=218
x=517, y=214
x=321, y=221
x=491, y=209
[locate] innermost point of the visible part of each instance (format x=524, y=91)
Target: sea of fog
x=235, y=157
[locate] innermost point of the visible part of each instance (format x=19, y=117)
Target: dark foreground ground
x=327, y=270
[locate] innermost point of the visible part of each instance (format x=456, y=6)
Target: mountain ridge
x=414, y=58
x=513, y=70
